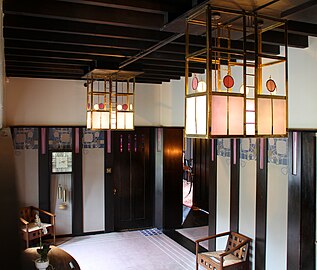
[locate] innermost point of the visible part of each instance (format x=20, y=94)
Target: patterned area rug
x=147, y=250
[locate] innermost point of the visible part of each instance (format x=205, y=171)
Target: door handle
x=115, y=191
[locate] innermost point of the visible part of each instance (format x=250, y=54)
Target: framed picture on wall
x=62, y=162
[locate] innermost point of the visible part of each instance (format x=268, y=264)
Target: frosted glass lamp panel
x=120, y=120
x=279, y=116
x=219, y=115
x=250, y=105
x=96, y=120
x=113, y=120
x=264, y=116
x=250, y=117
x=129, y=120
x=236, y=115
x=104, y=118
x=89, y=120
x=201, y=115
x=190, y=115
x=250, y=129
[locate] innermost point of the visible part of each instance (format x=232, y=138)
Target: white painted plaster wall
x=223, y=199
x=302, y=86
x=247, y=205
x=47, y=102
x=93, y=190
x=277, y=196
x=173, y=103
x=26, y=167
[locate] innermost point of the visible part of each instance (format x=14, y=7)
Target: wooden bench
x=235, y=256
x=29, y=229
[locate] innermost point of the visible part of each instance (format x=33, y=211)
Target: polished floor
x=146, y=250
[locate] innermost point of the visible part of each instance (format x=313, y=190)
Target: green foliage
x=43, y=251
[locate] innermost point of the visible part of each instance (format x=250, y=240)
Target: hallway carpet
x=135, y=250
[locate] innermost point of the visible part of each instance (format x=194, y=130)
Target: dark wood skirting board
x=261, y=204
x=235, y=184
x=77, y=184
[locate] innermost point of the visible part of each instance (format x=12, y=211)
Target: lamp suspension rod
x=150, y=50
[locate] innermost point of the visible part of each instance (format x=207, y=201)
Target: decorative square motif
x=60, y=138
x=223, y=147
x=25, y=138
x=93, y=139
x=248, y=149
x=278, y=151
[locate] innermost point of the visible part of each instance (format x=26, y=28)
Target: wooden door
x=133, y=189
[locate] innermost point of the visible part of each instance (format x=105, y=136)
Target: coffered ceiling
x=65, y=39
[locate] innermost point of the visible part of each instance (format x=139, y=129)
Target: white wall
x=26, y=167
x=93, y=190
x=223, y=199
x=302, y=86
x=277, y=196
x=173, y=103
x=33, y=102
x=147, y=104
x=45, y=102
x=247, y=204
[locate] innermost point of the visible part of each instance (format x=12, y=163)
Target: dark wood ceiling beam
x=22, y=22
x=84, y=13
x=147, y=81
x=28, y=59
x=160, y=76
x=302, y=28
x=79, y=72
x=21, y=63
x=93, y=41
x=15, y=73
x=298, y=8
x=157, y=7
x=92, y=53
x=275, y=37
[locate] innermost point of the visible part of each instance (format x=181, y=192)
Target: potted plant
x=42, y=262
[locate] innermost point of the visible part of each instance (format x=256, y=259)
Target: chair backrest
x=28, y=213
x=235, y=239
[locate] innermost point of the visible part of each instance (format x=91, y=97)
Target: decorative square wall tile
x=93, y=139
x=26, y=138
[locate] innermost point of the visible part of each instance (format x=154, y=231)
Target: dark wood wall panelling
x=212, y=175
x=234, y=184
x=201, y=180
x=261, y=204
x=301, y=202
x=308, y=201
x=172, y=177
x=77, y=183
x=109, y=183
x=44, y=172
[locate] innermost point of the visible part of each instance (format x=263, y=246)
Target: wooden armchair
x=235, y=256
x=29, y=229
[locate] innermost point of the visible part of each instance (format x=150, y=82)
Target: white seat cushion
x=227, y=260
x=33, y=227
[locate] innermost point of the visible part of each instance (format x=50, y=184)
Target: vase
x=41, y=265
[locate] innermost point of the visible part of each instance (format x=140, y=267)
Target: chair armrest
x=44, y=212
x=234, y=249
x=211, y=237
x=24, y=221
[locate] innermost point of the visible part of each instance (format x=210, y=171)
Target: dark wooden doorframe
x=129, y=181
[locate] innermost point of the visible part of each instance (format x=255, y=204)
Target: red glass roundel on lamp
x=195, y=82
x=125, y=107
x=101, y=106
x=228, y=81
x=270, y=85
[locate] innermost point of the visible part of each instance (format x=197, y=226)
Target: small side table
x=59, y=259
